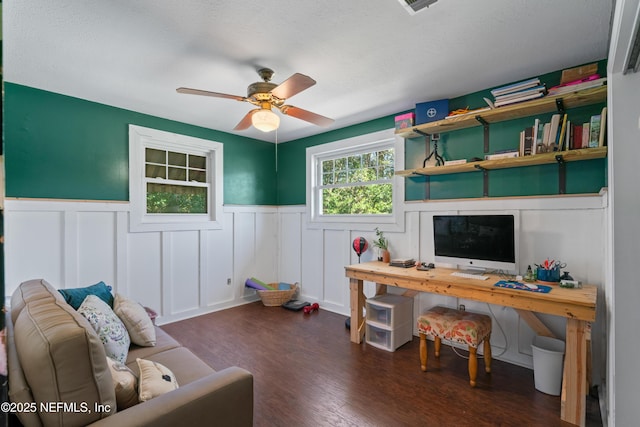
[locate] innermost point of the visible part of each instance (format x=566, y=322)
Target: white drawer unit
x=389, y=322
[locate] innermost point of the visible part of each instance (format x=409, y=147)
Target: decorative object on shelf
x=431, y=111
x=382, y=243
x=360, y=246
x=405, y=121
x=439, y=159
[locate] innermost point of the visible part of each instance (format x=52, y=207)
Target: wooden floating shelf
x=514, y=162
x=542, y=105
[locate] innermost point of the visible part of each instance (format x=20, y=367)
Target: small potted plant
x=382, y=244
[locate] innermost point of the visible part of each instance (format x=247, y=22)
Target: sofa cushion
x=164, y=342
x=63, y=360
x=185, y=365
x=108, y=326
x=76, y=296
x=125, y=384
x=155, y=380
x=32, y=290
x=135, y=318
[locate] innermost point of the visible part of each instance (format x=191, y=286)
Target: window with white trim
x=175, y=181
x=352, y=180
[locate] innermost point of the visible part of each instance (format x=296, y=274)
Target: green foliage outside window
x=172, y=199
x=358, y=184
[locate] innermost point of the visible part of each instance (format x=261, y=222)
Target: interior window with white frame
x=175, y=181
x=352, y=180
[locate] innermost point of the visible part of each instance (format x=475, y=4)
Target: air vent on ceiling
x=414, y=6
x=632, y=62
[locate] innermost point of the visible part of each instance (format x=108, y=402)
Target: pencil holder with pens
x=551, y=275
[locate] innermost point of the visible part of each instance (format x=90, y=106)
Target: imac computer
x=477, y=242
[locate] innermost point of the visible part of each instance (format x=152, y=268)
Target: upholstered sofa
x=59, y=375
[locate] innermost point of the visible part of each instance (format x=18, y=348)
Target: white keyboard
x=469, y=275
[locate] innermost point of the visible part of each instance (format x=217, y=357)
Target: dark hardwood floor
x=308, y=373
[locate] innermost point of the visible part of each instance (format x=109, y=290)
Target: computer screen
x=476, y=241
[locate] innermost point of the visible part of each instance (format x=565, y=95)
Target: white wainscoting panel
x=186, y=273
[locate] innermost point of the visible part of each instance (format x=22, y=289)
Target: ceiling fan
x=267, y=95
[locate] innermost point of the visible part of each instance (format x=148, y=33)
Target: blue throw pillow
x=75, y=296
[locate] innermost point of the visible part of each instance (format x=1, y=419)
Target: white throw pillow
x=137, y=321
x=155, y=380
x=108, y=326
x=125, y=384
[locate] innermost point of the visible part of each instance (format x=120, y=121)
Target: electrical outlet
x=461, y=307
x=229, y=281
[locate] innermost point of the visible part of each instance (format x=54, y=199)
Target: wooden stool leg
x=473, y=365
x=423, y=352
x=436, y=341
x=487, y=354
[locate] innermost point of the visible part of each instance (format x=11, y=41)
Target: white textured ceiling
x=370, y=58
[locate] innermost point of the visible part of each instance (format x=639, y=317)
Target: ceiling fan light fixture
x=265, y=120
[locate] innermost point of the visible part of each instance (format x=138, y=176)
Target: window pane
x=369, y=159
x=327, y=166
x=327, y=178
x=341, y=177
x=354, y=162
x=197, y=162
x=177, y=159
x=340, y=164
x=385, y=158
x=363, y=199
x=155, y=156
x=178, y=174
x=197, y=175
x=385, y=172
x=165, y=198
x=155, y=171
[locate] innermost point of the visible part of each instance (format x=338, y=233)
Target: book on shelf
x=594, y=130
x=603, y=127
x=503, y=155
x=561, y=135
x=586, y=132
x=518, y=99
x=455, y=162
x=568, y=88
x=553, y=132
x=527, y=142
x=576, y=137
x=512, y=95
x=515, y=87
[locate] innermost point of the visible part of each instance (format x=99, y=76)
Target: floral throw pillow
x=108, y=326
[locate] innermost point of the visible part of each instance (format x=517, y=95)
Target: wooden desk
x=577, y=305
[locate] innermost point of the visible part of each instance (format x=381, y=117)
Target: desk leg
x=573, y=402
x=357, y=306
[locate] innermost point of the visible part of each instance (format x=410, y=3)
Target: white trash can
x=547, y=364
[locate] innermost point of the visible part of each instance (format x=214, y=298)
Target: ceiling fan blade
x=207, y=93
x=293, y=85
x=245, y=123
x=305, y=115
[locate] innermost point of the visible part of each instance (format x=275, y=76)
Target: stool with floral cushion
x=460, y=326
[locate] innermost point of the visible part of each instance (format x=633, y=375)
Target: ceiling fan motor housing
x=260, y=91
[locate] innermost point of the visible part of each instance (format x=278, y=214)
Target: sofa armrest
x=221, y=398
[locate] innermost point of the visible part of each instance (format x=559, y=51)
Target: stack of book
x=403, y=262
x=517, y=92
x=589, y=82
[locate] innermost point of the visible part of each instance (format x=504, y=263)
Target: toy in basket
x=273, y=294
x=277, y=297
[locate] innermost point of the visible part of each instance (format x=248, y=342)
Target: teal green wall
x=292, y=158
x=62, y=147
x=582, y=177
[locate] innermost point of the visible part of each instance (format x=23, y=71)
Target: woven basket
x=278, y=297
